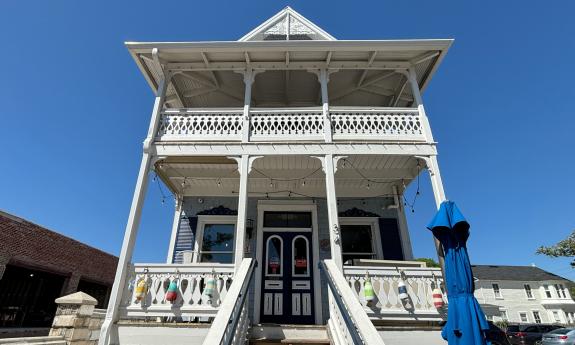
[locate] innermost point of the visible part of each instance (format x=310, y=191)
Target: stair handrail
x=357, y=321
x=224, y=326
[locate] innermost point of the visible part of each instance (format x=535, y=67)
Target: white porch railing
x=201, y=125
x=387, y=305
x=191, y=279
x=230, y=327
x=348, y=322
x=384, y=124
x=291, y=124
x=286, y=124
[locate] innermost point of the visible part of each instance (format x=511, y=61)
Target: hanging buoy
x=210, y=287
x=402, y=289
x=368, y=290
x=141, y=289
x=172, y=293
x=437, y=298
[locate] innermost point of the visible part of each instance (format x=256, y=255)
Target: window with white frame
x=496, y=290
x=547, y=291
x=556, y=316
x=560, y=291
x=215, y=240
x=528, y=291
x=523, y=317
x=359, y=239
x=536, y=316
x=504, y=315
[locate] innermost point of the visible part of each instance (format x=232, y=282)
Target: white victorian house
x=523, y=294
x=288, y=152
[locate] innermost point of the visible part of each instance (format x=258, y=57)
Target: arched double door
x=287, y=291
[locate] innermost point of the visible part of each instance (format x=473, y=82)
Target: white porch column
x=412, y=77
x=134, y=216
x=175, y=227
x=323, y=80
x=431, y=161
x=329, y=164
x=249, y=77
x=404, y=229
x=244, y=167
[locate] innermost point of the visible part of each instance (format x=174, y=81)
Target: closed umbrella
x=466, y=323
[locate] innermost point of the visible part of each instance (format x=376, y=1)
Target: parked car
x=562, y=336
x=496, y=335
x=529, y=333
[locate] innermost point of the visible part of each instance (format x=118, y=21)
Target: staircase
x=288, y=334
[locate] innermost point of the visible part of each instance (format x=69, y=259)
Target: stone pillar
x=73, y=319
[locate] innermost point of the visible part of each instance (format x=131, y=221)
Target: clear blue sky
x=75, y=110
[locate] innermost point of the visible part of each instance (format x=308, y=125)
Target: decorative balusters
x=280, y=124
x=387, y=304
x=380, y=124
x=191, y=281
x=195, y=125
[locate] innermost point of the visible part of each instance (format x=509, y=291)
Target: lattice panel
x=395, y=125
x=287, y=126
x=201, y=126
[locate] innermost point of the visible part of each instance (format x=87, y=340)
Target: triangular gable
x=287, y=25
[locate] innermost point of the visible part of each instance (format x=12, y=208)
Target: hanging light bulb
x=184, y=183
x=163, y=200
x=303, y=183
x=368, y=186
x=154, y=178
x=219, y=183
x=271, y=183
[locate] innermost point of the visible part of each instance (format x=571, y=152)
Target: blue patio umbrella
x=466, y=323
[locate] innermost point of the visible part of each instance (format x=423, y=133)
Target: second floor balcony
x=309, y=124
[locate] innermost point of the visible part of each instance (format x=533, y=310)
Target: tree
x=563, y=248
x=428, y=261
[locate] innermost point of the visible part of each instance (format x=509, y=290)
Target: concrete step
x=288, y=334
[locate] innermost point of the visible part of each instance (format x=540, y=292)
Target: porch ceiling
x=363, y=71
x=285, y=176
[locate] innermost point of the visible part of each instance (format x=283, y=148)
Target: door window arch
x=274, y=256
x=300, y=256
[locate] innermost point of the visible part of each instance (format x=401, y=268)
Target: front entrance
x=288, y=264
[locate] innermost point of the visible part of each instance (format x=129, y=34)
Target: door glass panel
x=287, y=219
x=274, y=258
x=218, y=243
x=300, y=256
x=356, y=242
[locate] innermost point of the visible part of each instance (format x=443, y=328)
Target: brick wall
x=27, y=244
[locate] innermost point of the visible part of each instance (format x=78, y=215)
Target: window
x=278, y=219
x=528, y=291
x=560, y=291
x=357, y=242
x=300, y=260
x=536, y=316
x=217, y=243
x=496, y=290
x=504, y=315
x=556, y=316
x=274, y=256
x=523, y=317
x=547, y=291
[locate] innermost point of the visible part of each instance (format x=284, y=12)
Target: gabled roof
x=287, y=25
x=518, y=273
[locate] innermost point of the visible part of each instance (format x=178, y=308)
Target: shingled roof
x=520, y=273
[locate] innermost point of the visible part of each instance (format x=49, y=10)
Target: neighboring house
x=288, y=153
x=38, y=265
x=523, y=294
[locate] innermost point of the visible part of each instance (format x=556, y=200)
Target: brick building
x=38, y=265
